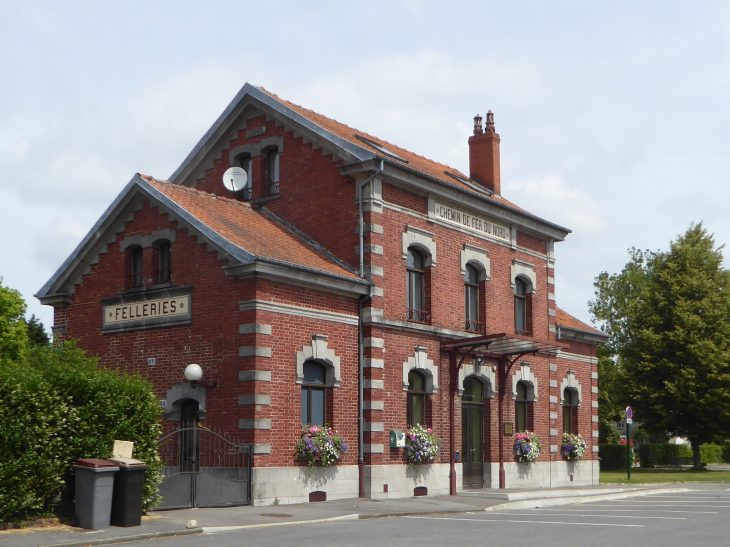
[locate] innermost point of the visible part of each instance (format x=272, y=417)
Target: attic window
x=380, y=148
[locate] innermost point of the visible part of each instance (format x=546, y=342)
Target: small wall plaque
x=509, y=428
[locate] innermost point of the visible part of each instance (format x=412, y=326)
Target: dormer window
x=272, y=172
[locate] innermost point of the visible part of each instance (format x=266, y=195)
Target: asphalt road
x=700, y=517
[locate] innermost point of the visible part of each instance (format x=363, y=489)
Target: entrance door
x=472, y=434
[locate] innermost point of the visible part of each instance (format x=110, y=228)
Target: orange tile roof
x=414, y=161
x=249, y=229
x=564, y=319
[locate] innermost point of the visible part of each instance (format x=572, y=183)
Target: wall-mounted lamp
x=193, y=374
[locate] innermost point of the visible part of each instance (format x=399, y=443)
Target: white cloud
x=552, y=198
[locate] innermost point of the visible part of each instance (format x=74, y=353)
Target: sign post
x=629, y=421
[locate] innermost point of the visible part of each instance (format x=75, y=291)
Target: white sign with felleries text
x=147, y=309
x=470, y=222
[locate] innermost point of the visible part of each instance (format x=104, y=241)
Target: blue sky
x=613, y=116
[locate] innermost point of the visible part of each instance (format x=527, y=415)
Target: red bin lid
x=96, y=463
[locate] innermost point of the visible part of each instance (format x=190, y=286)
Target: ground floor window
x=313, y=394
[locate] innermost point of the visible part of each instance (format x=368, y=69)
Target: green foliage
x=609, y=395
x=13, y=336
x=613, y=456
x=726, y=452
x=654, y=454
x=36, y=427
x=58, y=407
x=711, y=453
x=667, y=315
x=37, y=335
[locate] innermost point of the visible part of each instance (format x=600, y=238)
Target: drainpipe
x=361, y=354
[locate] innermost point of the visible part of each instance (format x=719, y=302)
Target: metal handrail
x=417, y=316
x=475, y=326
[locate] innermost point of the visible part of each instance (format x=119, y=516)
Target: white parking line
x=532, y=521
x=705, y=498
x=652, y=501
x=567, y=513
x=571, y=510
x=638, y=505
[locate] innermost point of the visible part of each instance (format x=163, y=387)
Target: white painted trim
x=308, y=313
x=421, y=240
x=478, y=258
x=570, y=381
x=523, y=269
x=422, y=363
x=524, y=374
x=318, y=351
x=485, y=373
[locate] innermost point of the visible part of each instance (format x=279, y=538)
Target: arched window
x=523, y=408
x=163, y=262
x=136, y=260
x=313, y=394
x=415, y=287
x=570, y=410
x=522, y=322
x=272, y=171
x=416, y=399
x=471, y=300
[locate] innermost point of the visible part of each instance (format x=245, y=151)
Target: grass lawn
x=640, y=475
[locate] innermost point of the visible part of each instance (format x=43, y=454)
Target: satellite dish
x=235, y=179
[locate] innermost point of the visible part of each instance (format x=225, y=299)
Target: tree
x=37, y=335
x=609, y=407
x=13, y=330
x=668, y=315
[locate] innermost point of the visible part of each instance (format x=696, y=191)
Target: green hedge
x=655, y=454
x=711, y=453
x=57, y=407
x=726, y=452
x=612, y=456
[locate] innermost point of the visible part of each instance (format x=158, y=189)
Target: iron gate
x=203, y=468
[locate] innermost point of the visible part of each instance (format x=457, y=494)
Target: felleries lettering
x=465, y=220
x=147, y=309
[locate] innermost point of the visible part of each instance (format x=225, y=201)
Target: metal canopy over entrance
x=506, y=349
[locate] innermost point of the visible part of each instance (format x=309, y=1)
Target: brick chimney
x=484, y=154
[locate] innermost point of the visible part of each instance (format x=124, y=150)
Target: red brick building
x=349, y=282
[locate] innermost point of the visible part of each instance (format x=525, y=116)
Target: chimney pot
x=490, y=122
x=478, y=125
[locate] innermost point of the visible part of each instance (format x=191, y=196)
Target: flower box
x=573, y=446
x=422, y=446
x=319, y=446
x=527, y=447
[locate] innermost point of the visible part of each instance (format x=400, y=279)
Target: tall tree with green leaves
x=37, y=335
x=609, y=398
x=668, y=315
x=13, y=330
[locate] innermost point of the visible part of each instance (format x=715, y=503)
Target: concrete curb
x=556, y=502
x=124, y=539
x=216, y=529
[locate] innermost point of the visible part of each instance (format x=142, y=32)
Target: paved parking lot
x=697, y=517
